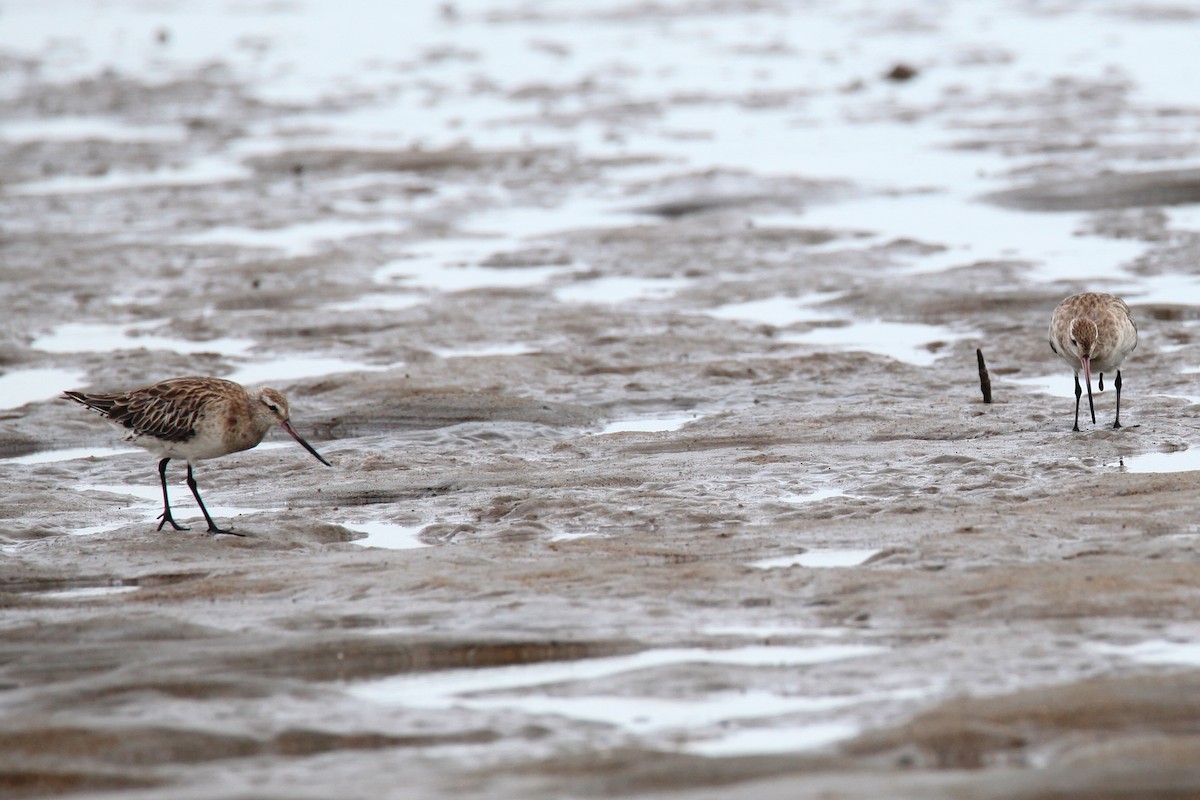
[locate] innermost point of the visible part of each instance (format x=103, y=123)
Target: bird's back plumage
x=192, y=417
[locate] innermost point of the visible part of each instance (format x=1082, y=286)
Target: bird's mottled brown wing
x=166, y=410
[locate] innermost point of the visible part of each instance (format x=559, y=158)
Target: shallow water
x=69, y=454
x=669, y=422
x=775, y=739
x=297, y=240
x=1175, y=461
x=903, y=341
x=200, y=171
x=283, y=368
x=1154, y=651
x=618, y=289
x=81, y=128
x=817, y=559
x=815, y=496
x=21, y=386
x=387, y=535
x=638, y=715
x=99, y=337
x=88, y=593
x=439, y=689
x=779, y=311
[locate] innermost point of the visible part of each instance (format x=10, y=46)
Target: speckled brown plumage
x=1095, y=332
x=194, y=418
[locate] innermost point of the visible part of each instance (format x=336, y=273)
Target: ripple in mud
x=46, y=782
x=690, y=719
x=1120, y=190
x=85, y=587
x=363, y=658
x=141, y=745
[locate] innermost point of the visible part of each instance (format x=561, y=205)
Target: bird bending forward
x=194, y=419
x=1094, y=332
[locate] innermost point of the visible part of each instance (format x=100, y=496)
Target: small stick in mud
x=985, y=382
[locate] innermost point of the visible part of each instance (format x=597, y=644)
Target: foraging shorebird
x=1093, y=332
x=194, y=419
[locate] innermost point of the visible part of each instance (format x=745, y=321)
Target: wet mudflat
x=642, y=341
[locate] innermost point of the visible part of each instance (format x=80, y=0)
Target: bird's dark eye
x=1074, y=342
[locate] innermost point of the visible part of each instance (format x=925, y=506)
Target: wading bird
x=194, y=419
x=1093, y=332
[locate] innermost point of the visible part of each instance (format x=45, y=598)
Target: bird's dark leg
x=1117, y=383
x=1078, y=394
x=166, y=515
x=212, y=526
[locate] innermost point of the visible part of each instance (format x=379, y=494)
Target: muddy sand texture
x=1008, y=547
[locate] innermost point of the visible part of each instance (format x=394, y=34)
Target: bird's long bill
x=1087, y=376
x=287, y=426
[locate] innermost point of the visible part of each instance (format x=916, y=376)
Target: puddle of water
x=570, y=537
x=779, y=311
x=449, y=267
x=784, y=739
x=642, y=715
x=92, y=530
x=22, y=386
x=619, y=289
x=1058, y=384
x=648, y=424
x=382, y=301
x=817, y=559
x=1171, y=290
x=1176, y=461
x=486, y=351
x=1154, y=651
x=387, y=535
x=518, y=224
x=89, y=593
x=284, y=368
x=70, y=454
x=201, y=171
x=902, y=341
x=481, y=688
x=449, y=688
x=295, y=240
x=972, y=231
x=90, y=337
x=72, y=129
x=813, y=496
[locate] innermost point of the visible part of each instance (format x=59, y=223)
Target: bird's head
x=273, y=405
x=1084, y=334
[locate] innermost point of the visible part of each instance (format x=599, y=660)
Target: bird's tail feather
x=99, y=402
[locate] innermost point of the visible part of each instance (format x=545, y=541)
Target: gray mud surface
x=1009, y=548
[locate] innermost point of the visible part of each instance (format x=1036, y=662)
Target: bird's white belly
x=198, y=448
